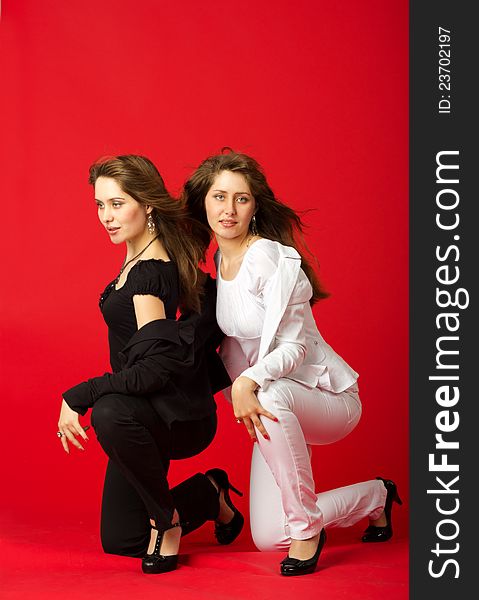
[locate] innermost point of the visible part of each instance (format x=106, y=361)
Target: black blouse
x=147, y=277
x=171, y=363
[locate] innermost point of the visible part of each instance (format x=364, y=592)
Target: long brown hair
x=274, y=220
x=139, y=178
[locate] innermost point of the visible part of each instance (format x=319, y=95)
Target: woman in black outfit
x=158, y=403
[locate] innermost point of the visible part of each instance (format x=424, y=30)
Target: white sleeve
x=289, y=346
x=288, y=353
x=233, y=359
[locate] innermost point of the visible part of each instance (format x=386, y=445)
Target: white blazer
x=291, y=345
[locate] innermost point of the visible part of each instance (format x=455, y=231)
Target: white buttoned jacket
x=291, y=345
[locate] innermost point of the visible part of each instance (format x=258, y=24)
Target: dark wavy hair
x=139, y=178
x=274, y=220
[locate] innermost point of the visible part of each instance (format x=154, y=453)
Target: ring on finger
x=60, y=434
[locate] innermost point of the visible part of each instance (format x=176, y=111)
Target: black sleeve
x=155, y=352
x=148, y=278
x=207, y=331
x=208, y=336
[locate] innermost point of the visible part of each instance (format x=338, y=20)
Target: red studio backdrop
x=317, y=92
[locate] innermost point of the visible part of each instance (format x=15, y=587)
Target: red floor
x=48, y=561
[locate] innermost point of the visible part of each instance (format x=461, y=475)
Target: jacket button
x=316, y=342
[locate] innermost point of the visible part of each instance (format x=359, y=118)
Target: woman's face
x=122, y=216
x=229, y=206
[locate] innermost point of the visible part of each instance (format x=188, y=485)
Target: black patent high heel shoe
x=383, y=534
x=158, y=563
x=295, y=566
x=226, y=533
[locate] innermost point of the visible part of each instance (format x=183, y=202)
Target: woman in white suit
x=290, y=389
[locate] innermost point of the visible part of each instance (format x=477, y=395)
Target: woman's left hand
x=247, y=407
x=69, y=426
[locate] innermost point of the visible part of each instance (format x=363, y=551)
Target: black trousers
x=140, y=446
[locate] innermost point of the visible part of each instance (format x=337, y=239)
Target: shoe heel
x=221, y=479
x=226, y=533
x=382, y=534
x=237, y=492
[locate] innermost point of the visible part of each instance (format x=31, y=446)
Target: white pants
x=283, y=501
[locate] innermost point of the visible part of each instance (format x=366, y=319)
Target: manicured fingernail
x=276, y=419
x=266, y=437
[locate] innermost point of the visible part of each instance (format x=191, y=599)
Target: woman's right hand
x=69, y=426
x=247, y=407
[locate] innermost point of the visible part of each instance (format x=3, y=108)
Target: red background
x=316, y=91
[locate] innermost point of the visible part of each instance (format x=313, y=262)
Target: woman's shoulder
x=272, y=248
x=152, y=276
x=268, y=253
x=268, y=258
x=153, y=266
x=262, y=261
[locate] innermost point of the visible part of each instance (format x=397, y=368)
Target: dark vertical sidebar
x=444, y=270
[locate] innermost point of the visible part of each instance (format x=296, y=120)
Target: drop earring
x=150, y=223
x=253, y=227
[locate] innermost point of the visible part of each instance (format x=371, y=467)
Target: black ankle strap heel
x=226, y=533
x=383, y=534
x=158, y=563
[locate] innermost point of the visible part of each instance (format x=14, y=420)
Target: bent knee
x=269, y=540
x=112, y=545
x=107, y=411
